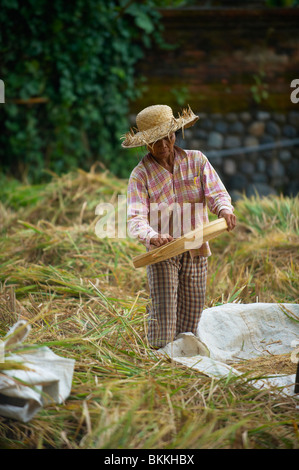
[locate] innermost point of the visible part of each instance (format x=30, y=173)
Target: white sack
x=244, y=331
x=235, y=332
x=50, y=376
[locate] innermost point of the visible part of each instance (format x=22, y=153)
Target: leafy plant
x=281, y=3
x=181, y=95
x=260, y=89
x=69, y=74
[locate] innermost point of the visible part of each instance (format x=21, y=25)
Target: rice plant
x=84, y=300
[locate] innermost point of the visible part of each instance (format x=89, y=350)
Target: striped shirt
x=159, y=201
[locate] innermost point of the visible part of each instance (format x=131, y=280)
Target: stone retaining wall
x=252, y=152
x=223, y=59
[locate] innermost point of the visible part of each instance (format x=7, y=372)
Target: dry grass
x=268, y=365
x=84, y=299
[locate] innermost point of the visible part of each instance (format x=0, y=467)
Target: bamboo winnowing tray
x=180, y=245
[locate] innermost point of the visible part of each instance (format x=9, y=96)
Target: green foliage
x=174, y=3
x=260, y=89
x=282, y=3
x=181, y=95
x=78, y=58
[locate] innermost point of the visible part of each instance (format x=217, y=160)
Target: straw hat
x=155, y=123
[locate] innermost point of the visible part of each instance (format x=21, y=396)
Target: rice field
x=84, y=300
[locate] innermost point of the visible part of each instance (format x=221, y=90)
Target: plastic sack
x=48, y=378
x=233, y=332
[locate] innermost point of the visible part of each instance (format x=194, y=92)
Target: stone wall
x=223, y=60
x=236, y=65
x=252, y=152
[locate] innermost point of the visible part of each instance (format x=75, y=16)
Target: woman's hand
x=229, y=217
x=161, y=239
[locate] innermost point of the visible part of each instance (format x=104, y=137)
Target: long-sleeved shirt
x=183, y=196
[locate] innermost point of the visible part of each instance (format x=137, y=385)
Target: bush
x=69, y=74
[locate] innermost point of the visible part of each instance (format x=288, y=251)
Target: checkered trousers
x=177, y=293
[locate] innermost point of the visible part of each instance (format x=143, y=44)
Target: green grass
x=85, y=301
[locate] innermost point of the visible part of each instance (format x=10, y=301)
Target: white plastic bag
x=244, y=331
x=233, y=332
x=49, y=378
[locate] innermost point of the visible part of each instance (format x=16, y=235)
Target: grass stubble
x=84, y=300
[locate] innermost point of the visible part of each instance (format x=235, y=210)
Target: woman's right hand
x=161, y=239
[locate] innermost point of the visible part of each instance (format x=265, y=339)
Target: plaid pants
x=177, y=292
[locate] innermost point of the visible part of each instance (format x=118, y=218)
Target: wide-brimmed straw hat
x=155, y=123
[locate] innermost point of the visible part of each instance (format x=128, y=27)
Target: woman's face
x=163, y=148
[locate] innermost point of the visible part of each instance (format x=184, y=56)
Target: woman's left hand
x=229, y=217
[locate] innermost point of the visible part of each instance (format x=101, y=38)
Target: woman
x=171, y=189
